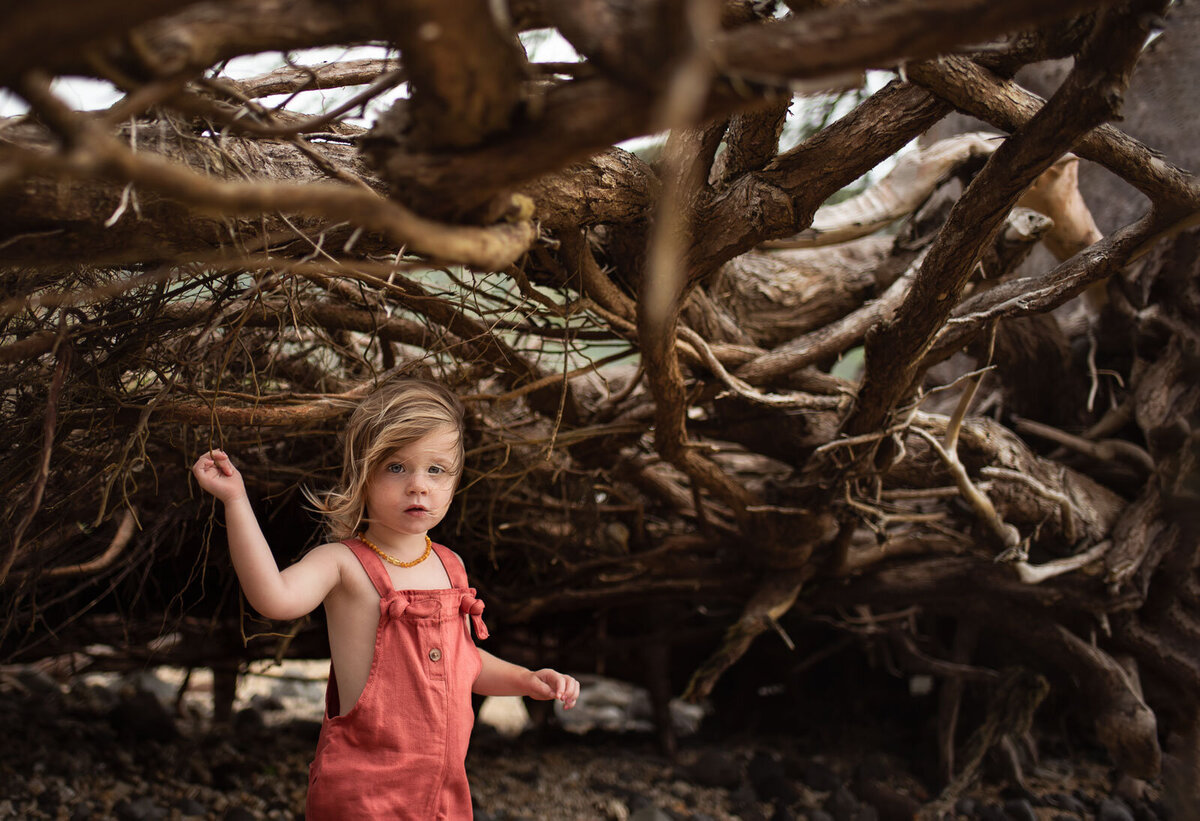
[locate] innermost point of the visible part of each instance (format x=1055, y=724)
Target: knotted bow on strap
x=474, y=608
x=397, y=606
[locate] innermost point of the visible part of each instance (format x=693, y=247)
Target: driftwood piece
x=915, y=176
x=1083, y=101
x=781, y=295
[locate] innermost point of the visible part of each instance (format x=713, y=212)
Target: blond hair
x=395, y=415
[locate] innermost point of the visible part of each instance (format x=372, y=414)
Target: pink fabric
x=400, y=752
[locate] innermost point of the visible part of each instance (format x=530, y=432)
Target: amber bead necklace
x=362, y=537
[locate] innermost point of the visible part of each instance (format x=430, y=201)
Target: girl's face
x=411, y=490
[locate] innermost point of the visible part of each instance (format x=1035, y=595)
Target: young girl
x=398, y=704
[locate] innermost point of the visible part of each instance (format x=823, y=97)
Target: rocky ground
x=111, y=747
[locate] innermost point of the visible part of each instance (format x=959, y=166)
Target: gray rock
x=715, y=768
x=1019, y=809
x=139, y=809
x=1113, y=810
x=140, y=716
x=1061, y=801
x=966, y=807
x=268, y=704
x=190, y=806
x=249, y=720
x=650, y=813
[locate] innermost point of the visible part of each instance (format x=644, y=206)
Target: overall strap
x=453, y=565
x=373, y=565
x=468, y=604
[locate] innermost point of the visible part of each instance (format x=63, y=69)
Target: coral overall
x=399, y=753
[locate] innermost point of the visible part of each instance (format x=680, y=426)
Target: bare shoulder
x=331, y=557
x=331, y=550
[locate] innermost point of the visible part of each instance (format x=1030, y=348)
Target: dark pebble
x=1086, y=800
x=991, y=812
x=783, y=814
x=140, y=716
x=268, y=703
x=82, y=811
x=637, y=802
x=770, y=782
x=481, y=815
x=50, y=801
x=140, y=809
x=776, y=789
x=715, y=768
x=891, y=804
x=249, y=720
x=966, y=806
x=650, y=813
x=819, y=815
x=190, y=806
x=1019, y=809
x=1070, y=803
x=310, y=731
x=742, y=798
x=744, y=804
x=1015, y=792
x=1143, y=811
x=842, y=805
x=226, y=776
x=238, y=814
x=819, y=777
x=874, y=767
x=1113, y=810
x=529, y=775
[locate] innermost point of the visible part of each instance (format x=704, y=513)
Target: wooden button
x=435, y=654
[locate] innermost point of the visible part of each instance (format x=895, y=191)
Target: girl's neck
x=399, y=545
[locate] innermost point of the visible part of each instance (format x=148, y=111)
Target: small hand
x=216, y=474
x=548, y=684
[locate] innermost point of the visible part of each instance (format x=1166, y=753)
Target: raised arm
x=285, y=595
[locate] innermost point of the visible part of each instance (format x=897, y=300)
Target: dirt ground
x=129, y=748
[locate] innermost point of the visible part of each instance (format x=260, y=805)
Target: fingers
x=561, y=687
x=570, y=693
x=221, y=460
x=214, y=459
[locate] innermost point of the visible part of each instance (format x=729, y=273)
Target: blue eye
x=395, y=468
x=436, y=469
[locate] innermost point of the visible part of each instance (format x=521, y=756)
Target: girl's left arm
x=502, y=678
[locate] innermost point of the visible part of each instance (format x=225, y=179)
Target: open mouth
x=415, y=509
